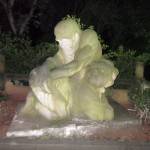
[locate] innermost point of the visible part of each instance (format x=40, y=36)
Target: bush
x=43, y=51
x=3, y=97
x=125, y=61
x=145, y=57
x=140, y=98
x=21, y=56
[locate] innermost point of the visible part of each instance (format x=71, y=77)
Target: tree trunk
x=17, y=31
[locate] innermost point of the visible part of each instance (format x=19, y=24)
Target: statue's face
x=66, y=46
x=101, y=75
x=102, y=79
x=69, y=46
x=65, y=43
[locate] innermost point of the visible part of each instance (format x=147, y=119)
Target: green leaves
x=141, y=99
x=145, y=57
x=3, y=97
x=125, y=61
x=21, y=56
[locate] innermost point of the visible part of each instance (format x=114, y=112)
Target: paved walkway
x=53, y=144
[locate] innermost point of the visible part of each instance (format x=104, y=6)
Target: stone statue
x=72, y=83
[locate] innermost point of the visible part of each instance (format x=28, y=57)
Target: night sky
x=118, y=22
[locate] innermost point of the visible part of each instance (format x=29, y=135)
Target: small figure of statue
x=72, y=83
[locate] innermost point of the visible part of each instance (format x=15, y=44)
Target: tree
x=18, y=21
x=120, y=22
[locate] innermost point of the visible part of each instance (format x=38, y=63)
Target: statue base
x=39, y=127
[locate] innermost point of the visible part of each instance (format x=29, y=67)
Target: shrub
x=140, y=98
x=145, y=57
x=3, y=97
x=124, y=61
x=21, y=56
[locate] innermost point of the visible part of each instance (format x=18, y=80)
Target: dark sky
x=117, y=21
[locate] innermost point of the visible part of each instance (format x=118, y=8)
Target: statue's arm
x=82, y=57
x=52, y=62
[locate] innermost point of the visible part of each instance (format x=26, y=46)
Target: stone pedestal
x=38, y=127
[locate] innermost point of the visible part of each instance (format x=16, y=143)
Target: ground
x=9, y=107
x=7, y=112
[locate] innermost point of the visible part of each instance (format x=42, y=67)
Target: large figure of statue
x=73, y=82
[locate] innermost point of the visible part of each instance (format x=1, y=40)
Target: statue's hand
x=56, y=74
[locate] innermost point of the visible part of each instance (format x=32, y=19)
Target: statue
x=73, y=82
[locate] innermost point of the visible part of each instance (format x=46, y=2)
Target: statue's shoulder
x=88, y=32
x=88, y=37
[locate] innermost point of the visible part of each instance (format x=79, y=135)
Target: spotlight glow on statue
x=72, y=83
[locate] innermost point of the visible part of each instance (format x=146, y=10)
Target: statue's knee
x=43, y=111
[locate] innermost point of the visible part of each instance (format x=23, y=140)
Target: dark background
x=118, y=22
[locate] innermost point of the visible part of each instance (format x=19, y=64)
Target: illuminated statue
x=73, y=82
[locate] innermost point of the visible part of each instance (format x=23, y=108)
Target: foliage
x=141, y=99
x=20, y=55
x=44, y=50
x=117, y=21
x=124, y=61
x=3, y=97
x=145, y=57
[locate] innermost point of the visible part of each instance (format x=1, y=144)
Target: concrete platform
x=75, y=128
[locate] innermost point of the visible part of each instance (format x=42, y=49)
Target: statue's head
x=89, y=37
x=101, y=74
x=66, y=29
x=67, y=33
